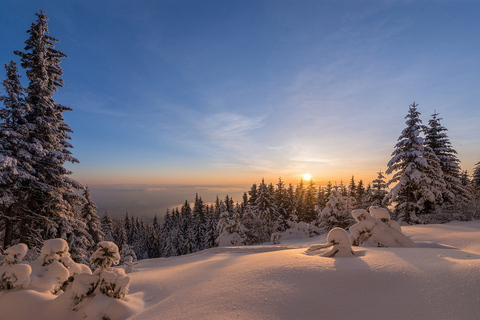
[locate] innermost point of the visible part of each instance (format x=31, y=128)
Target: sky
x=174, y=98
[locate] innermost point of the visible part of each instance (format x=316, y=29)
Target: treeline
x=265, y=209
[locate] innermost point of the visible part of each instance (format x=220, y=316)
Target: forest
x=40, y=201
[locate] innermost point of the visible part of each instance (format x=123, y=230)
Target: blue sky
x=176, y=97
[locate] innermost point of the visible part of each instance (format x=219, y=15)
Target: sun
x=307, y=176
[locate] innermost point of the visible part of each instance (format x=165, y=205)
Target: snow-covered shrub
x=336, y=213
x=130, y=265
x=372, y=232
x=126, y=252
x=113, y=282
x=383, y=215
x=50, y=274
x=338, y=239
x=53, y=250
x=83, y=286
x=106, y=255
x=15, y=254
x=297, y=230
x=74, y=270
x=226, y=239
x=14, y=274
x=109, y=281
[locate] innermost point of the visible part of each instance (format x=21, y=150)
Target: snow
x=440, y=279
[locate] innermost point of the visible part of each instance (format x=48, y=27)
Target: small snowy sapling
x=372, y=232
x=14, y=274
x=337, y=238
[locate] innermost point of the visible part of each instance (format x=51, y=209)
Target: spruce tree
x=16, y=170
x=437, y=139
x=91, y=219
x=52, y=194
x=416, y=173
x=107, y=227
x=378, y=190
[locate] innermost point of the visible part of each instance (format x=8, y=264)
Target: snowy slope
x=438, y=280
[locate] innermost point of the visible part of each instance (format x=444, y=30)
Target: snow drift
x=440, y=279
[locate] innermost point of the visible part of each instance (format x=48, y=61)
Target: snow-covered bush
x=226, y=239
x=383, y=215
x=372, y=232
x=130, y=265
x=53, y=250
x=297, y=230
x=336, y=213
x=15, y=254
x=74, y=270
x=338, y=239
x=47, y=271
x=14, y=274
x=111, y=282
x=126, y=252
x=106, y=255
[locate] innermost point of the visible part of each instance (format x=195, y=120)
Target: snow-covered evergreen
x=417, y=178
x=91, y=219
x=336, y=213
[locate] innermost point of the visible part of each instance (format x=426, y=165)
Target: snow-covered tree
x=51, y=199
x=436, y=138
x=378, y=190
x=15, y=168
x=127, y=251
x=107, y=227
x=13, y=274
x=336, y=213
x=310, y=214
x=91, y=219
x=417, y=177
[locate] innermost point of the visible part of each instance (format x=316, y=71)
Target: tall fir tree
x=437, y=139
x=107, y=227
x=16, y=170
x=52, y=194
x=378, y=190
x=416, y=172
x=92, y=220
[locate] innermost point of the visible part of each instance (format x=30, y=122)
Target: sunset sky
x=171, y=98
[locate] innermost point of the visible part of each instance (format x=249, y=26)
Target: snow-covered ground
x=438, y=280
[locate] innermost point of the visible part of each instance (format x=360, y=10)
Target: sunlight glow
x=307, y=177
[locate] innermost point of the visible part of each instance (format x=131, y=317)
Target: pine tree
x=107, y=227
x=264, y=207
x=476, y=186
x=378, y=190
x=336, y=213
x=15, y=168
x=310, y=201
x=281, y=205
x=360, y=194
x=437, y=139
x=52, y=194
x=416, y=172
x=91, y=219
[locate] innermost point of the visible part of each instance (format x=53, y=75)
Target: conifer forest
x=422, y=183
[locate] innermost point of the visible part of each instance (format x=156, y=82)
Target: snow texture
x=438, y=280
